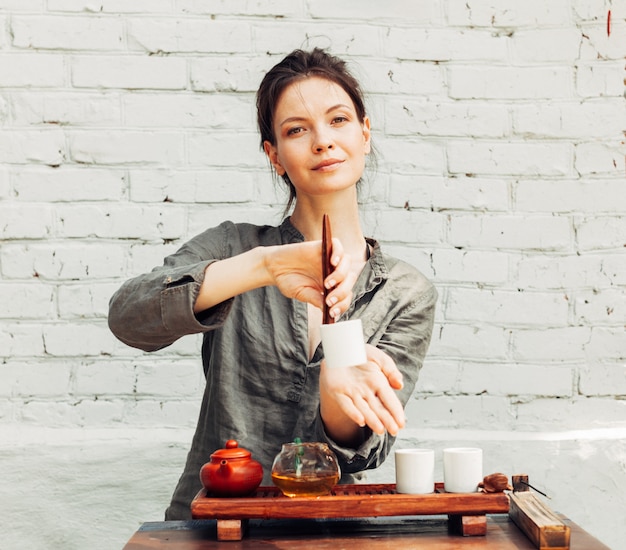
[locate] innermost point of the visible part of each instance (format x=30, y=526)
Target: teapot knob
x=232, y=444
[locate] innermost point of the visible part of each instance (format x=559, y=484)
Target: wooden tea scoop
x=327, y=248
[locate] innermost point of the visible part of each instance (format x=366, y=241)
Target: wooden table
x=391, y=533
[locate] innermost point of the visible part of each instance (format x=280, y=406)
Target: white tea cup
x=343, y=343
x=415, y=471
x=462, y=469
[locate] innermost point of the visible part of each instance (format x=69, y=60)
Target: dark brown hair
x=301, y=64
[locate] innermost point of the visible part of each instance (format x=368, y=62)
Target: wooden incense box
x=538, y=522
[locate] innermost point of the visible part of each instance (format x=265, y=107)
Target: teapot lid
x=231, y=450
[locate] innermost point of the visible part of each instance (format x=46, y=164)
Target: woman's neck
x=344, y=221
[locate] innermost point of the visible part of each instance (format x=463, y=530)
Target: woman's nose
x=322, y=142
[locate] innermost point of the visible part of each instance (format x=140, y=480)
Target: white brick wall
x=127, y=127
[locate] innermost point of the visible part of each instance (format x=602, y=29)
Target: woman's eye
x=293, y=131
x=339, y=119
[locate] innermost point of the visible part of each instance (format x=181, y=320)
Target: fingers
x=386, y=364
x=340, y=281
x=364, y=395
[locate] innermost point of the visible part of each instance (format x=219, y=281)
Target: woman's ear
x=367, y=135
x=272, y=155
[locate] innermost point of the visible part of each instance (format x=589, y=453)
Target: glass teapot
x=305, y=469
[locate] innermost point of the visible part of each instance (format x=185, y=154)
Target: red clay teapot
x=231, y=472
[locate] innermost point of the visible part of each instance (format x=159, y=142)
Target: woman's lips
x=327, y=165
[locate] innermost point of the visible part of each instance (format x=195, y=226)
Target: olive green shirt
x=261, y=388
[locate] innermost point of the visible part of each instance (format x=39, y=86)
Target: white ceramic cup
x=415, y=471
x=343, y=343
x=462, y=469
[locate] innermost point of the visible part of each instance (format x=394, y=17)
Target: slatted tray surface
x=347, y=501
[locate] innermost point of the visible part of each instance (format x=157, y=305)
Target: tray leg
x=467, y=526
x=231, y=529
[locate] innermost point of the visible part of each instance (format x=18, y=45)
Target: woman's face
x=320, y=142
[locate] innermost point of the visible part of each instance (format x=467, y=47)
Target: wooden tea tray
x=466, y=511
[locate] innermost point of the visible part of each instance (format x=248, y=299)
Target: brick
x=595, y=157
x=515, y=379
x=560, y=272
x=412, y=155
x=129, y=72
x=507, y=13
x=102, y=378
x=557, y=414
x=432, y=44
x=501, y=158
x=198, y=222
x=110, y=6
x=189, y=111
x=417, y=256
x=589, y=119
x=507, y=308
x=37, y=108
x=600, y=79
x=79, y=340
x=468, y=342
x=80, y=301
x=505, y=82
x=549, y=45
x=413, y=78
x=471, y=266
x=206, y=186
x=511, y=232
x=4, y=183
x=20, y=221
x=228, y=74
x=69, y=184
x=38, y=379
x=348, y=41
x=600, y=379
x=271, y=8
x=58, y=262
x=418, y=12
x=32, y=70
x=180, y=413
x=606, y=306
x=607, y=343
x=460, y=412
x=569, y=196
x=67, y=33
x=166, y=35
x=126, y=147
x=614, y=268
x=601, y=233
x=183, y=381
x=49, y=413
x=22, y=5
x=19, y=339
x=32, y=147
x=410, y=227
x=99, y=412
x=145, y=256
x=438, y=376
x=550, y=344
x=426, y=118
x=225, y=149
x=26, y=301
x=129, y=222
x=472, y=193
x=596, y=44
x=4, y=40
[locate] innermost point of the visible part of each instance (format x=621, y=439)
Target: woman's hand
x=296, y=269
x=354, y=397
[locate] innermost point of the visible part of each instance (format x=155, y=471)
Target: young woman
x=255, y=292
